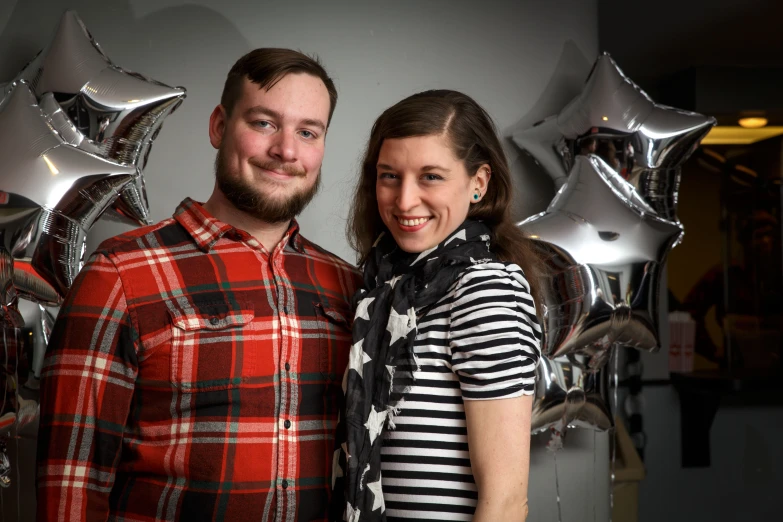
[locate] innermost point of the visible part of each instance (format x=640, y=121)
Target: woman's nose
x=408, y=197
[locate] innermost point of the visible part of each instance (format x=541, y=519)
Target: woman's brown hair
x=474, y=141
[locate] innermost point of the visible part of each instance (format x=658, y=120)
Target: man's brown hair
x=267, y=66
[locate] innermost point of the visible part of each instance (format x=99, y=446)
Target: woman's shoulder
x=488, y=274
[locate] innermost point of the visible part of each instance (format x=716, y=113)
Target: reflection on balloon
x=21, y=354
x=5, y=463
x=118, y=112
x=644, y=142
x=569, y=394
x=604, y=249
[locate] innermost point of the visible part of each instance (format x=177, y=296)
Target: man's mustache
x=289, y=169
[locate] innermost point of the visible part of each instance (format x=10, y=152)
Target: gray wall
x=521, y=60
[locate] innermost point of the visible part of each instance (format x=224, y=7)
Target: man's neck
x=268, y=234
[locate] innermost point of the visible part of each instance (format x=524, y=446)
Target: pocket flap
x=190, y=314
x=336, y=315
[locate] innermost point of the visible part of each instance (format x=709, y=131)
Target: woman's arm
x=499, y=445
x=495, y=337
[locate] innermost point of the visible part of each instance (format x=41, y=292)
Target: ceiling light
x=721, y=135
x=753, y=122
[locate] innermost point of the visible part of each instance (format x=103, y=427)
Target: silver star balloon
x=646, y=143
x=118, y=112
x=51, y=194
x=568, y=394
x=604, y=251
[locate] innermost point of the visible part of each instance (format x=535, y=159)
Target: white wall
x=521, y=60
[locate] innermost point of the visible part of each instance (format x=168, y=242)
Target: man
x=194, y=371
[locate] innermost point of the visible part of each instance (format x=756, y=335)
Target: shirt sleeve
x=87, y=383
x=495, y=337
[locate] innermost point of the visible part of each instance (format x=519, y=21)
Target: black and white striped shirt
x=480, y=341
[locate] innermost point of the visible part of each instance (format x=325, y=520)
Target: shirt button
x=214, y=320
x=287, y=367
x=284, y=484
x=287, y=424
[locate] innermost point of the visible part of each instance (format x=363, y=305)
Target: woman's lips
x=410, y=224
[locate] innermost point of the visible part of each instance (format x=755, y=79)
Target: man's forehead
x=293, y=94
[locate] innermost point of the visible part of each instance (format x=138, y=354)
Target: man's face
x=271, y=146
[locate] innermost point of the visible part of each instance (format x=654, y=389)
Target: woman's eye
x=432, y=177
x=387, y=175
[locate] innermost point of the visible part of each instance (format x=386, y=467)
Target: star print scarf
x=382, y=363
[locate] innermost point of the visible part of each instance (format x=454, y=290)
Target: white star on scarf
x=337, y=471
x=358, y=358
x=375, y=422
x=351, y=514
x=459, y=235
x=377, y=493
x=361, y=309
x=393, y=280
x=400, y=325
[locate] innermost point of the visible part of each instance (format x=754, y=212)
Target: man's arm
x=87, y=384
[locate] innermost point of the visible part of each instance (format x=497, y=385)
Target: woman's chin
x=413, y=246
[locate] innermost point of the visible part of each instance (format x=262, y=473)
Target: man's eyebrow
x=260, y=110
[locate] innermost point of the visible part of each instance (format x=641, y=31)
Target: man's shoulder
x=321, y=254
x=133, y=240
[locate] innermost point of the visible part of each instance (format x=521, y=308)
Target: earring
x=476, y=196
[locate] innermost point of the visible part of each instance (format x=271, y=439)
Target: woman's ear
x=217, y=126
x=480, y=181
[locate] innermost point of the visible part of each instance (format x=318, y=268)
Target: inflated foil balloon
x=604, y=248
x=644, y=142
x=5, y=463
x=21, y=359
x=569, y=394
x=51, y=193
x=118, y=112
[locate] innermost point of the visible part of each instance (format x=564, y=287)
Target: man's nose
x=284, y=146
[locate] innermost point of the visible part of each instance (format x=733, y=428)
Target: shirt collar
x=206, y=230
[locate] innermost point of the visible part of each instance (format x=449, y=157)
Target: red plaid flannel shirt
x=191, y=375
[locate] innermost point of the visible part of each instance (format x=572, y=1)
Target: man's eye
x=262, y=123
x=307, y=134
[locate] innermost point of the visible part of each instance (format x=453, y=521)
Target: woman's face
x=423, y=191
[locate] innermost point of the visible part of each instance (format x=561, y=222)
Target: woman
x=446, y=340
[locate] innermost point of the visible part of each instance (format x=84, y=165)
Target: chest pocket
x=209, y=338
x=334, y=340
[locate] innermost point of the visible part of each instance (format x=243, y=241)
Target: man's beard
x=248, y=198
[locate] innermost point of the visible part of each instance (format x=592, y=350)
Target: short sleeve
x=495, y=336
